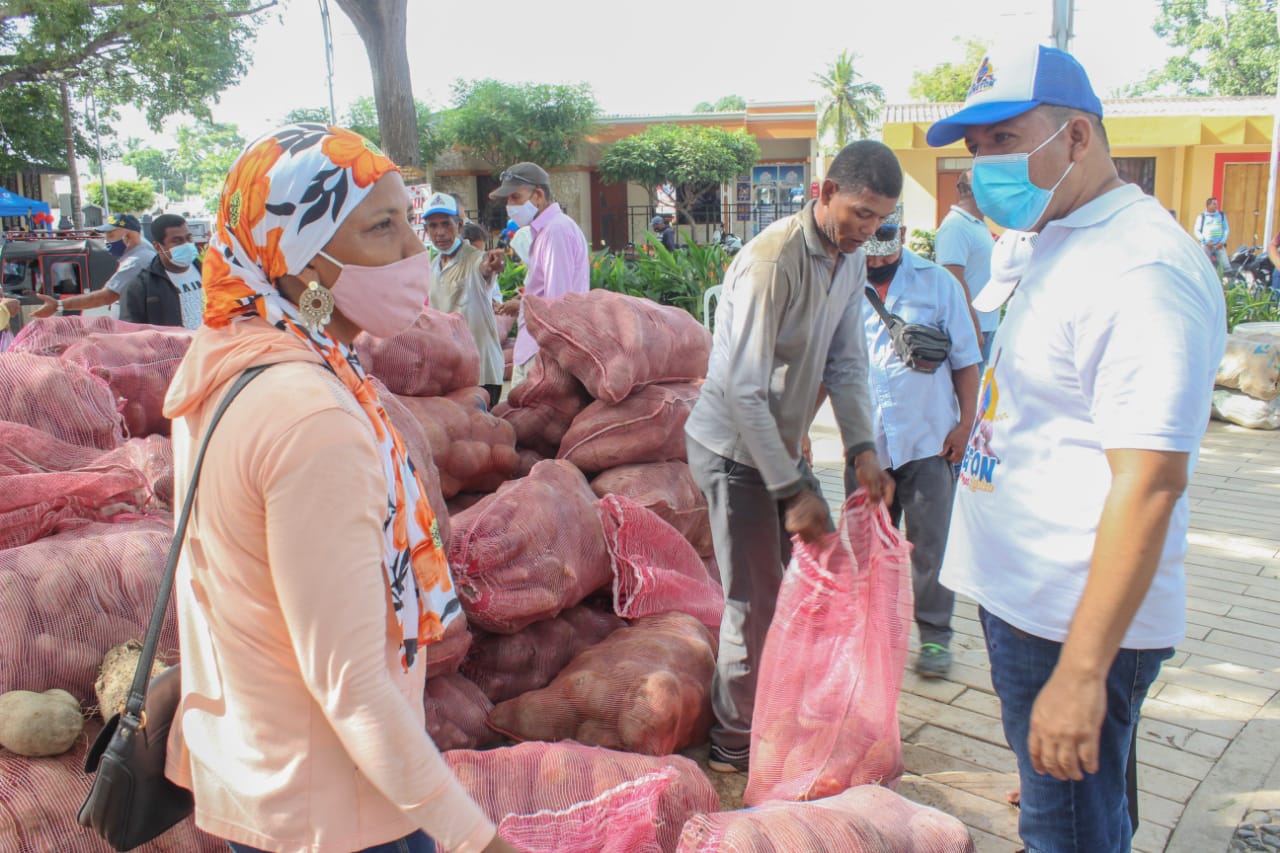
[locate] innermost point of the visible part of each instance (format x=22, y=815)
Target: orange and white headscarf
x=283, y=201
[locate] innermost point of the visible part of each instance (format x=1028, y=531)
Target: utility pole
x=1064, y=16
x=328, y=57
x=102, y=173
x=1270, y=227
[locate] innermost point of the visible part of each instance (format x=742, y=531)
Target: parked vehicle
x=1251, y=267
x=34, y=264
x=732, y=242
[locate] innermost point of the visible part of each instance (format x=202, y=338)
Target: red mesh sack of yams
x=457, y=713
x=68, y=598
x=844, y=609
x=646, y=688
x=615, y=343
x=446, y=654
x=865, y=819
x=34, y=505
x=419, y=450
x=53, y=335
x=39, y=799
x=60, y=398
x=534, y=777
x=507, y=665
x=435, y=356
x=654, y=569
x=543, y=406
x=139, y=367
x=648, y=426
x=529, y=551
x=669, y=490
x=473, y=450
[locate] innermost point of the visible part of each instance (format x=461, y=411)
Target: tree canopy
x=1230, y=50
x=502, y=123
x=125, y=196
x=693, y=158
x=848, y=103
x=197, y=165
x=31, y=129
x=949, y=81
x=729, y=103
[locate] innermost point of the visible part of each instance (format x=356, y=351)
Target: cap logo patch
x=984, y=79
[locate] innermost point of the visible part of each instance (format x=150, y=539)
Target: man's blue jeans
x=419, y=842
x=1091, y=816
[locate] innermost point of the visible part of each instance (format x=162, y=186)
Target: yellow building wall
x=919, y=188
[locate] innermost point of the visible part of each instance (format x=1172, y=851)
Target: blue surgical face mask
x=457, y=243
x=1003, y=189
x=184, y=254
x=116, y=248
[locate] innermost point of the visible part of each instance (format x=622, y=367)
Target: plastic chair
x=711, y=293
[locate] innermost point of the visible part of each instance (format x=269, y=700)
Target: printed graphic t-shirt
x=1107, y=344
x=190, y=295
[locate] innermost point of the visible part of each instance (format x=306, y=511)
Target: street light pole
x=1064, y=16
x=328, y=57
x=1275, y=163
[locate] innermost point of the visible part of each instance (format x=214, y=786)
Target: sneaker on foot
x=722, y=762
x=934, y=661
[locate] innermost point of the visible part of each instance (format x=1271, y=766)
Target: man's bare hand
x=1066, y=723
x=953, y=445
x=873, y=478
x=806, y=449
x=495, y=261
x=48, y=309
x=807, y=516
x=511, y=307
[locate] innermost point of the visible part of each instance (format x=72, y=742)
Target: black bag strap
x=142, y=676
x=880, y=309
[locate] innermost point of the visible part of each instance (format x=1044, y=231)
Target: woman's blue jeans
x=1090, y=816
x=419, y=842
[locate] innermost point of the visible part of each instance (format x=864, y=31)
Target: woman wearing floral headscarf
x=314, y=577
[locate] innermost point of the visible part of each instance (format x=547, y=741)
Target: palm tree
x=847, y=103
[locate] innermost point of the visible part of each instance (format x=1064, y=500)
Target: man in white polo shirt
x=1070, y=521
x=963, y=245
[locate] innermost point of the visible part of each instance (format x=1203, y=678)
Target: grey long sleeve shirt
x=789, y=319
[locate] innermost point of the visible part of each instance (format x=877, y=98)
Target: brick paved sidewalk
x=1209, y=742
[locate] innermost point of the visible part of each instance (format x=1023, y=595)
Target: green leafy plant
x=511, y=279
x=678, y=278
x=921, y=242
x=1244, y=307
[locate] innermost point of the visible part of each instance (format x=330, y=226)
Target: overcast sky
x=664, y=57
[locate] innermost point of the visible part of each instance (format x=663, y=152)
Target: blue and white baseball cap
x=1008, y=83
x=441, y=203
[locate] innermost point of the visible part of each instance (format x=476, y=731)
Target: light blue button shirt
x=914, y=411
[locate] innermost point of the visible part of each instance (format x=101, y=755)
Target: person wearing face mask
x=963, y=246
x=314, y=580
x=1070, y=522
x=461, y=277
x=167, y=292
x=922, y=419
x=123, y=234
x=789, y=320
x=558, y=261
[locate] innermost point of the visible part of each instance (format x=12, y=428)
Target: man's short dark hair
x=867, y=165
x=474, y=231
x=1061, y=115
x=1210, y=198
x=162, y=223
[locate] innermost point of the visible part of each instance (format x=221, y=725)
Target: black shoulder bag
x=131, y=801
x=921, y=348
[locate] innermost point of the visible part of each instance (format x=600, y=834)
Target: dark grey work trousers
x=923, y=492
x=752, y=549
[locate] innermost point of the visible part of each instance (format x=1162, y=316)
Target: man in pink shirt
x=559, y=262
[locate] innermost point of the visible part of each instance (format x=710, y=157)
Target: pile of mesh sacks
x=1247, y=388
x=579, y=545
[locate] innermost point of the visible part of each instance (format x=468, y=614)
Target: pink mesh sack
x=419, y=450
x=654, y=569
x=528, y=458
x=543, y=406
x=446, y=655
x=52, y=336
x=844, y=609
x=34, y=505
x=648, y=426
x=646, y=688
x=68, y=598
x=435, y=356
x=507, y=665
x=139, y=367
x=865, y=819
x=615, y=343
x=534, y=777
x=529, y=551
x=473, y=397
x=62, y=399
x=668, y=489
x=457, y=714
x=39, y=799
x=621, y=820
x=473, y=450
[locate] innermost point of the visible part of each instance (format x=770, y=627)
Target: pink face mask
x=383, y=301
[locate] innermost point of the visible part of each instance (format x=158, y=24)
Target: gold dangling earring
x=315, y=307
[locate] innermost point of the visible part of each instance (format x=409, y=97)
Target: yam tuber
x=39, y=724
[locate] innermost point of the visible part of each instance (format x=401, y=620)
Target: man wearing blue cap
x=123, y=233
x=1070, y=521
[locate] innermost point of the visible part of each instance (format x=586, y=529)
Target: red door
x=608, y=214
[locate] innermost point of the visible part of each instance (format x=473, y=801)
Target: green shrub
x=921, y=242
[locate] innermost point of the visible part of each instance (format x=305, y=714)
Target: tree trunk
x=382, y=27
x=68, y=130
